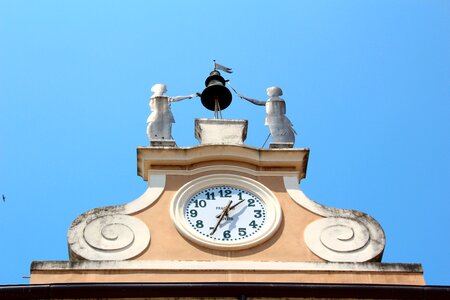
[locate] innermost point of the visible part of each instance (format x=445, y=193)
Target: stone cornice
x=151, y=158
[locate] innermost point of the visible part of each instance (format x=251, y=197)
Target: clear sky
x=367, y=86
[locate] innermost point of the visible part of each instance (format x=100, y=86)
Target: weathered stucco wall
x=162, y=254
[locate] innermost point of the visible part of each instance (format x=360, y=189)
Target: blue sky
x=367, y=86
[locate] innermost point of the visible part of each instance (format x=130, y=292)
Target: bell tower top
x=224, y=212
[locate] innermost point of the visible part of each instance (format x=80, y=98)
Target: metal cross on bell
x=216, y=97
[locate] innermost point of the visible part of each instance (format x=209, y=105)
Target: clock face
x=226, y=212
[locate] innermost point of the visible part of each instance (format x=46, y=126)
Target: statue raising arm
x=281, y=129
x=160, y=120
x=251, y=100
x=179, y=98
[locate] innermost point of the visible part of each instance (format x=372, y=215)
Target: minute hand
x=222, y=215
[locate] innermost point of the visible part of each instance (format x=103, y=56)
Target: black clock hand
x=236, y=204
x=231, y=207
x=224, y=213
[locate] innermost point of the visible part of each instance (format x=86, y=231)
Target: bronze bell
x=216, y=96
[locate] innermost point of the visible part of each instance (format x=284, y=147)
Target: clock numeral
x=258, y=213
x=242, y=231
x=200, y=203
x=226, y=234
x=209, y=196
x=240, y=195
x=251, y=202
x=225, y=194
x=253, y=224
x=193, y=213
x=199, y=224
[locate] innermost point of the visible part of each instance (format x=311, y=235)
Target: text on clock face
x=225, y=213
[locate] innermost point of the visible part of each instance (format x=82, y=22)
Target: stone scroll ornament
x=342, y=235
x=111, y=233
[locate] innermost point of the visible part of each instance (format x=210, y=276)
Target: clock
x=225, y=211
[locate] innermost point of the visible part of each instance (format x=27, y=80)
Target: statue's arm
x=254, y=101
x=179, y=98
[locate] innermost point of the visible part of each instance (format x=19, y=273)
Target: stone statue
x=283, y=134
x=159, y=128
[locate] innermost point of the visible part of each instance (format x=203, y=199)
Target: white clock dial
x=226, y=212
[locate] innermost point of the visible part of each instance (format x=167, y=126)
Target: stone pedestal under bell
x=220, y=131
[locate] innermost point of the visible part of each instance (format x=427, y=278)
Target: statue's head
x=159, y=89
x=274, y=91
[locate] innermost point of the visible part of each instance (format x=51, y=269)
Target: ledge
x=155, y=271
x=151, y=158
x=225, y=265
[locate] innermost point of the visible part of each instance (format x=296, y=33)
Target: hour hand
x=231, y=207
